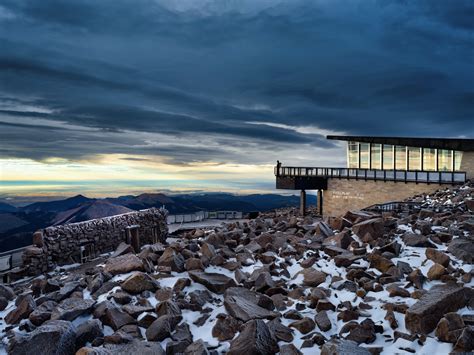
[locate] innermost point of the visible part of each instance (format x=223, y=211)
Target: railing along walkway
x=397, y=206
x=446, y=177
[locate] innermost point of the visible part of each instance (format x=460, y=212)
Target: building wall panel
x=345, y=195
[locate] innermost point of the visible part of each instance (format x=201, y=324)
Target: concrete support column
x=320, y=201
x=303, y=202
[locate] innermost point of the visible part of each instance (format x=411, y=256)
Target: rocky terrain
x=366, y=283
x=18, y=223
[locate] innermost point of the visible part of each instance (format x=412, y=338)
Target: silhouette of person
x=278, y=167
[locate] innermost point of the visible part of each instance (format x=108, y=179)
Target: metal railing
x=446, y=177
x=10, y=259
x=395, y=206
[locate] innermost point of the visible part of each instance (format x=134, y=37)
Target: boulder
x=71, y=308
x=279, y=331
x=465, y=341
x=7, y=292
x=323, y=229
x=122, y=249
x=217, y=283
x=225, y=327
x=22, y=310
x=437, y=256
x=42, y=313
x=425, y=314
x=168, y=308
x=182, y=338
x=289, y=349
x=363, y=332
x=139, y=282
x=379, y=262
x=123, y=264
x=245, y=305
x=172, y=259
x=462, y=248
x=342, y=239
x=343, y=347
x=416, y=240
x=436, y=271
x=134, y=347
x=417, y=278
x=254, y=339
x=304, y=325
x=312, y=277
x=194, y=264
x=87, y=331
x=3, y=303
x=196, y=348
x=53, y=337
x=450, y=327
x=323, y=322
x=162, y=328
x=373, y=227
x=116, y=318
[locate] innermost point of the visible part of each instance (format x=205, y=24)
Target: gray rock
x=116, y=318
x=42, y=313
x=139, y=282
x=244, y=304
x=196, y=348
x=24, y=307
x=122, y=249
x=71, y=308
x=162, y=328
x=217, y=283
x=425, y=314
x=343, y=347
x=462, y=248
x=56, y=337
x=7, y=292
x=135, y=347
x=123, y=264
x=254, y=339
x=322, y=320
x=88, y=331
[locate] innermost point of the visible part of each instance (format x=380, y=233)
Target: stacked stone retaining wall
x=70, y=243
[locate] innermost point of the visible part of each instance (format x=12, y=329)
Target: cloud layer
x=187, y=81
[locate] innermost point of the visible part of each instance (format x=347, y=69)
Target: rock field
x=365, y=283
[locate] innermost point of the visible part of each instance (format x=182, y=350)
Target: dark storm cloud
x=101, y=74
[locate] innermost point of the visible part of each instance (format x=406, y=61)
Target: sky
x=112, y=96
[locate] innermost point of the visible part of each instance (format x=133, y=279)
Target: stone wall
x=345, y=195
x=467, y=164
x=76, y=242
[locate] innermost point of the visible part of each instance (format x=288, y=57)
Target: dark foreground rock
x=425, y=314
x=217, y=283
x=254, y=339
x=55, y=337
x=244, y=304
x=343, y=347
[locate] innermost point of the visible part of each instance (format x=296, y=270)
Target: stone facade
x=345, y=195
x=467, y=164
x=71, y=243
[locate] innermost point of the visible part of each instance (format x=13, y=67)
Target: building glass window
x=429, y=159
x=364, y=155
x=400, y=158
x=457, y=160
x=376, y=156
x=414, y=158
x=353, y=155
x=445, y=160
x=387, y=156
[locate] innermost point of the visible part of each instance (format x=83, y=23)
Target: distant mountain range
x=18, y=223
